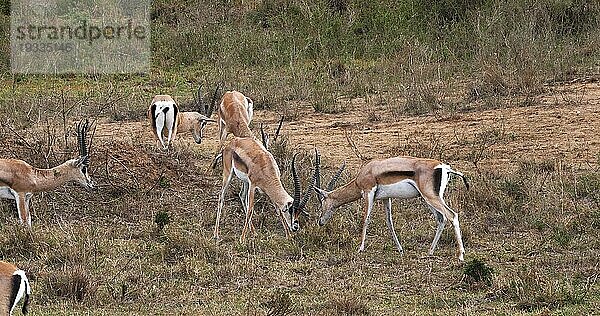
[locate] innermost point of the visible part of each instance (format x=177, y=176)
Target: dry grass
x=141, y=244
x=505, y=91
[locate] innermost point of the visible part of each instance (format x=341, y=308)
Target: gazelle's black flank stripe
x=175, y=113
x=408, y=174
x=24, y=310
x=239, y=160
x=8, y=183
x=153, y=114
x=437, y=180
x=14, y=290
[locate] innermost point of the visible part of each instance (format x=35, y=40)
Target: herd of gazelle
x=19, y=181
x=251, y=162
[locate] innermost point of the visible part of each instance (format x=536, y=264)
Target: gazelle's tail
x=464, y=178
x=27, y=293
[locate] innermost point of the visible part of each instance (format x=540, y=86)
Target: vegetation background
x=355, y=69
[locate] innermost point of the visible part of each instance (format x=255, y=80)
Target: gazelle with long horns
x=19, y=180
x=398, y=177
x=165, y=117
x=14, y=286
x=248, y=159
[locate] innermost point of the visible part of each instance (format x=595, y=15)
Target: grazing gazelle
x=398, y=177
x=234, y=115
x=19, y=180
x=248, y=159
x=165, y=116
x=13, y=287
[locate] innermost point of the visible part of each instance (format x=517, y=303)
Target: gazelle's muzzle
x=325, y=217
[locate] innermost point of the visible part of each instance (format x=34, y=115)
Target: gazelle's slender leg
x=443, y=214
x=243, y=195
x=22, y=209
x=286, y=229
x=170, y=121
x=28, y=207
x=251, y=203
x=370, y=198
x=390, y=223
x=441, y=223
x=222, y=133
x=226, y=179
x=160, y=124
x=222, y=137
x=457, y=233
x=249, y=210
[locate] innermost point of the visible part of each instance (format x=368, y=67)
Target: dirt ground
x=563, y=125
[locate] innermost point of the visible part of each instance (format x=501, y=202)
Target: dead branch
x=353, y=146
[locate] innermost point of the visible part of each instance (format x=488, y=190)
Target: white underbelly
x=241, y=175
x=404, y=189
x=6, y=193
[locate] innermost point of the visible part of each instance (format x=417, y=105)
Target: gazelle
x=19, y=180
x=398, y=177
x=165, y=116
x=14, y=285
x=234, y=115
x=248, y=159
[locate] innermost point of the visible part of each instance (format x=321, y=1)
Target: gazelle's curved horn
x=309, y=189
x=82, y=130
x=336, y=177
x=317, y=169
x=213, y=101
x=200, y=101
x=264, y=136
x=278, y=129
x=297, y=188
x=78, y=129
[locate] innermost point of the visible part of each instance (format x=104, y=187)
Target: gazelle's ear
x=321, y=193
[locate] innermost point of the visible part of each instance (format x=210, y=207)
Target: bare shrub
x=73, y=283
